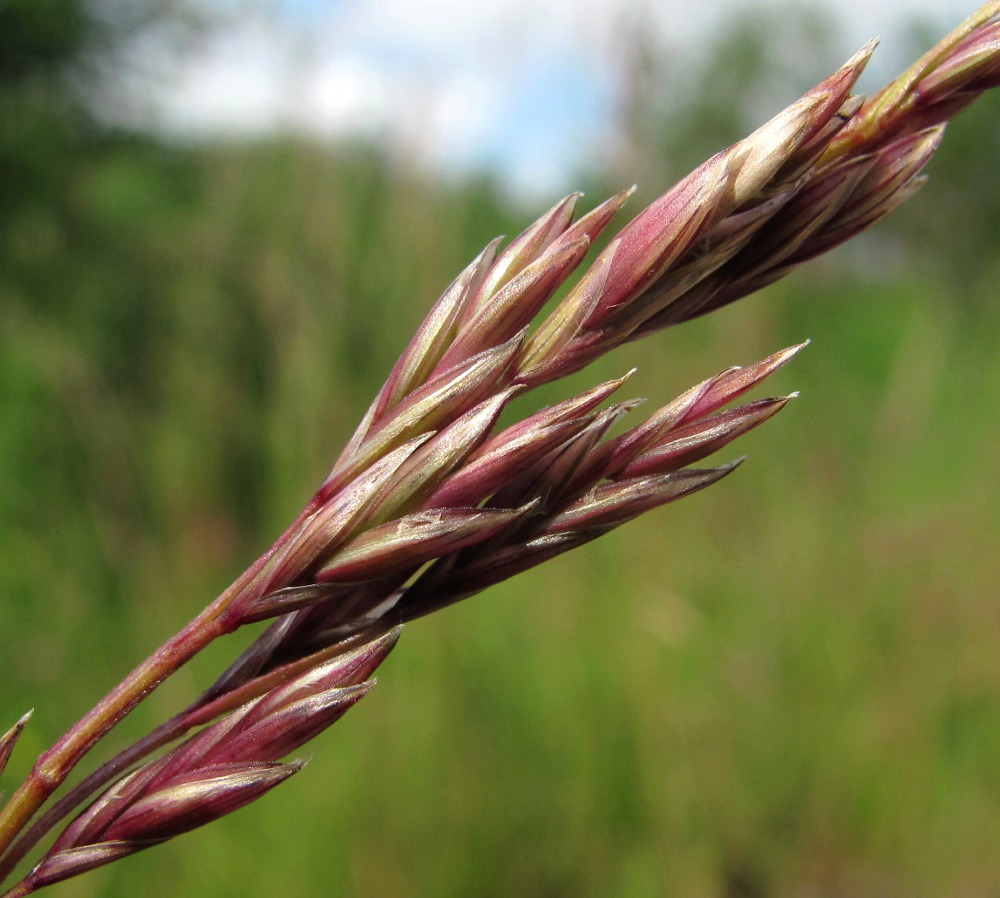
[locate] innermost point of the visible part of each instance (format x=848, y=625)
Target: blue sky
x=526, y=88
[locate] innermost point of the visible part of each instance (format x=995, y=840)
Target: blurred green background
x=786, y=685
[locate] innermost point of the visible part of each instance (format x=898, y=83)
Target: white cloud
x=237, y=84
x=345, y=97
x=523, y=86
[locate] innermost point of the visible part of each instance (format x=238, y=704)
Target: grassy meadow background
x=786, y=685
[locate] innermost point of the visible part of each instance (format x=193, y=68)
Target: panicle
x=333, y=522
x=437, y=402
x=418, y=477
x=660, y=236
x=820, y=171
x=657, y=237
x=543, y=357
x=588, y=486
x=933, y=90
x=694, y=442
x=612, y=504
x=893, y=178
x=215, y=772
x=972, y=67
x=412, y=540
x=432, y=339
x=427, y=505
x=461, y=514
x=516, y=304
x=519, y=447
x=522, y=252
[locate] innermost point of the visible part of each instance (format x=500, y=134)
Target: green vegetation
x=786, y=685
